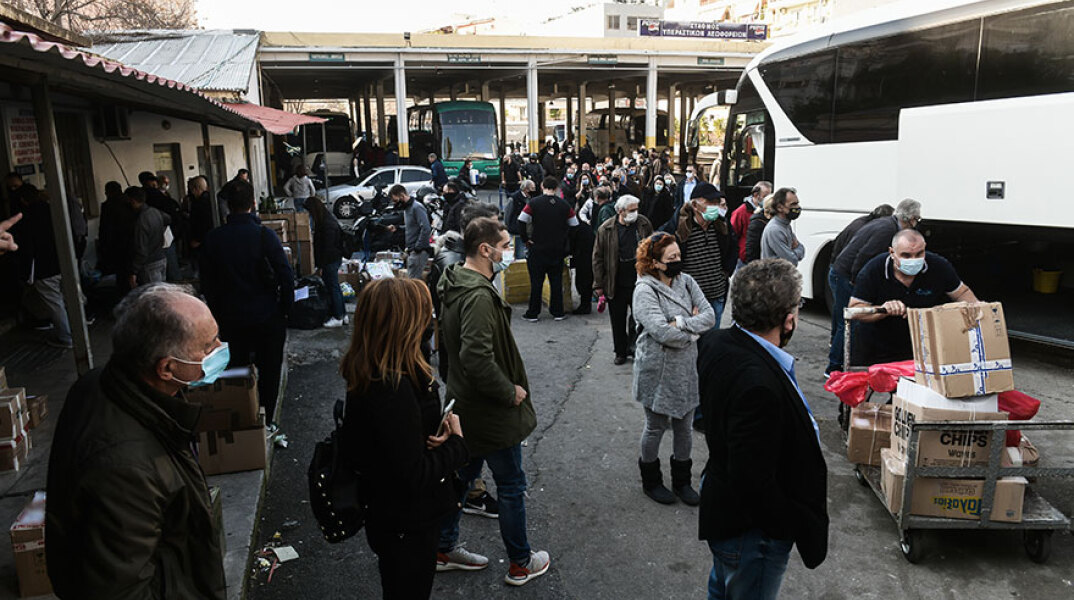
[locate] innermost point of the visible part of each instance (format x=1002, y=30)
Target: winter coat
x=148, y=246
x=665, y=358
x=128, y=513
x=658, y=206
x=606, y=253
x=475, y=329
x=327, y=241
x=753, y=236
x=681, y=224
x=518, y=202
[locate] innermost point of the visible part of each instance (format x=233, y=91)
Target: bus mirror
x=727, y=97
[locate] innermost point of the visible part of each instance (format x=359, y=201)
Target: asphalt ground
x=606, y=539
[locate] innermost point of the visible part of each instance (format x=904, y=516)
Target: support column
x=367, y=122
x=650, y=105
x=672, y=137
x=400, y=111
x=503, y=120
x=382, y=120
x=485, y=92
x=611, y=120
x=209, y=172
x=542, y=121
x=451, y=92
x=61, y=224
x=570, y=119
x=531, y=106
x=684, y=115
x=581, y=115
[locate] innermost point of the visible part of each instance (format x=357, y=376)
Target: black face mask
x=785, y=336
x=674, y=268
x=794, y=213
x=450, y=196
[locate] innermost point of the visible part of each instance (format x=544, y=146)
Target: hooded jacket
x=128, y=513
x=475, y=330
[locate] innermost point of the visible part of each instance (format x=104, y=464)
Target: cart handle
x=850, y=313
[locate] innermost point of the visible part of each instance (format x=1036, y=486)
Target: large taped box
x=950, y=498
x=12, y=412
x=279, y=226
x=515, y=282
x=945, y=448
x=546, y=291
x=232, y=451
x=36, y=411
x=28, y=545
x=961, y=349
x=229, y=403
x=869, y=433
x=15, y=452
x=298, y=224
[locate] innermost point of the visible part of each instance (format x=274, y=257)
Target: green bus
x=456, y=131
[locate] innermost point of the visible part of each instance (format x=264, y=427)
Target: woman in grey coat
x=672, y=313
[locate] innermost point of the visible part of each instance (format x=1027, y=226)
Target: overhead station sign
x=703, y=29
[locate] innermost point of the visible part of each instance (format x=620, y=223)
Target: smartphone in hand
x=443, y=418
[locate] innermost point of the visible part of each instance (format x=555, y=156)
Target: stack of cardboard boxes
x=19, y=413
x=28, y=546
x=231, y=435
x=294, y=231
x=961, y=362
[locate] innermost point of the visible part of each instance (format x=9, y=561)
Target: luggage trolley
x=849, y=315
x=1039, y=518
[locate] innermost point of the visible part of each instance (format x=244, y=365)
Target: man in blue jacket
x=439, y=173
x=249, y=287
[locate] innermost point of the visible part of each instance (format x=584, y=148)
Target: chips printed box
x=28, y=545
x=945, y=448
x=869, y=433
x=950, y=498
x=961, y=349
x=231, y=402
x=232, y=451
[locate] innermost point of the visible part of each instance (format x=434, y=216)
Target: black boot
x=652, y=481
x=680, y=481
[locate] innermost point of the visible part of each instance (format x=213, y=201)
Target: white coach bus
x=966, y=106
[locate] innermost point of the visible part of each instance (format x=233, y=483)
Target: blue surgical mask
x=506, y=258
x=658, y=187
x=212, y=365
x=911, y=266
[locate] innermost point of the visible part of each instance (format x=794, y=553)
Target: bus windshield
x=468, y=134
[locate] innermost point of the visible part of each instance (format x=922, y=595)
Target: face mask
x=630, y=217
x=911, y=266
x=622, y=179
x=785, y=336
x=690, y=175
x=506, y=258
x=674, y=268
x=632, y=171
x=450, y=196
x=570, y=175
x=212, y=365
x=713, y=212
x=658, y=187
x=669, y=181
x=585, y=182
x=794, y=213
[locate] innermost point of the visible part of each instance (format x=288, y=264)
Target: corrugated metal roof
x=213, y=60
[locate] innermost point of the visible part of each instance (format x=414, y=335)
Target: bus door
x=747, y=159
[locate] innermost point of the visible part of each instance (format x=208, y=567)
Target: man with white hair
x=905, y=277
x=128, y=511
x=873, y=239
x=614, y=274
x=545, y=226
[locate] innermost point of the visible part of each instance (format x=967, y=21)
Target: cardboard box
x=36, y=411
x=870, y=431
x=945, y=448
x=926, y=397
x=14, y=452
x=302, y=251
x=13, y=415
x=279, y=226
x=28, y=544
x=961, y=349
x=354, y=279
x=302, y=230
x=229, y=403
x=950, y=498
x=232, y=451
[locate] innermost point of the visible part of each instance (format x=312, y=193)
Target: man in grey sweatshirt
x=778, y=240
x=149, y=261
x=417, y=229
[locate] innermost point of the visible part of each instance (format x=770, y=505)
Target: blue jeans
x=330, y=277
x=506, y=467
x=749, y=567
x=841, y=291
x=718, y=306
x=520, y=248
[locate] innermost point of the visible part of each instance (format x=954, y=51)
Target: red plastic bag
x=885, y=377
x=850, y=388
x=1020, y=407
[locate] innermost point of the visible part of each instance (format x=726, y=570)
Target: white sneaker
x=333, y=323
x=460, y=559
x=521, y=574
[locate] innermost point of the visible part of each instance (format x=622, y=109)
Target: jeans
x=330, y=277
x=520, y=248
x=554, y=272
x=416, y=262
x=749, y=567
x=718, y=306
x=506, y=467
x=841, y=290
x=153, y=272
x=406, y=561
x=50, y=292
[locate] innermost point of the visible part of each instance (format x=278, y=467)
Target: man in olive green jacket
x=487, y=381
x=128, y=514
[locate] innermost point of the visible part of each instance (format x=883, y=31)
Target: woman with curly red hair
x=672, y=313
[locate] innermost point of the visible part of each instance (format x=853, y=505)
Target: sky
x=376, y=16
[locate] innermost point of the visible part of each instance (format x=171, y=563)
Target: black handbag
x=335, y=486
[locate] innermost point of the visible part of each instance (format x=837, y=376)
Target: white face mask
x=506, y=258
x=630, y=217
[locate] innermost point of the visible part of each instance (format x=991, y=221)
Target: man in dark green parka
x=487, y=380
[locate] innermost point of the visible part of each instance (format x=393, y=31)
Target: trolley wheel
x=860, y=476
x=1038, y=545
x=912, y=545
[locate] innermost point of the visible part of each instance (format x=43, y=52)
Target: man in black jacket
x=546, y=223
x=765, y=485
x=128, y=513
x=250, y=287
x=519, y=199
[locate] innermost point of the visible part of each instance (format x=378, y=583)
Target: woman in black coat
x=658, y=205
x=392, y=430
x=328, y=255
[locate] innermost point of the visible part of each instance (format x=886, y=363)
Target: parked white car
x=365, y=186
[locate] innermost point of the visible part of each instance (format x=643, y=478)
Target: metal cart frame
x=1039, y=518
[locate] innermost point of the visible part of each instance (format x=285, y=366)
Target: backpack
x=335, y=486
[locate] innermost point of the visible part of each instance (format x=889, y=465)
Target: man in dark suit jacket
x=765, y=485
